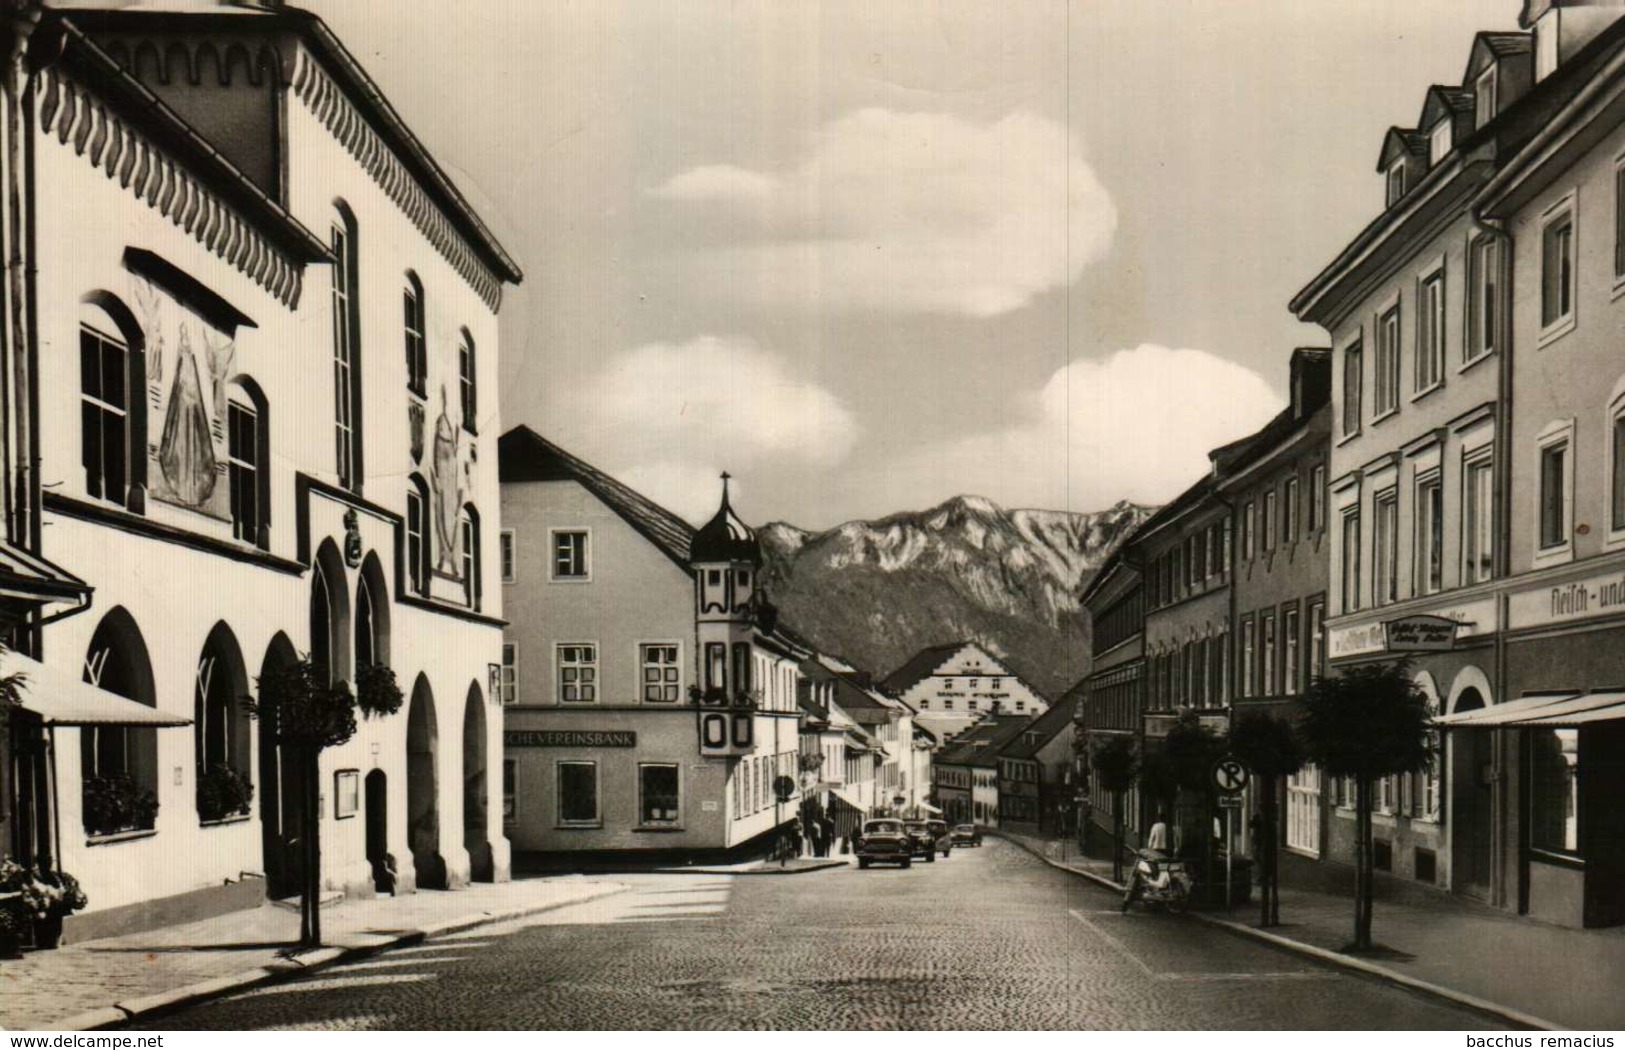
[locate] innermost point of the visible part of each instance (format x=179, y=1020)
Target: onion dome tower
x=725, y=556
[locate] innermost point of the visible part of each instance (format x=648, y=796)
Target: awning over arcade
x=63, y=700
x=1545, y=710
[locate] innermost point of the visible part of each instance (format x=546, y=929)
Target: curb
x=1325, y=955
x=764, y=870
x=356, y=946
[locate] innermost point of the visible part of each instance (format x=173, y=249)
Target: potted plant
x=222, y=792
x=376, y=691
x=13, y=916
x=117, y=803
x=49, y=899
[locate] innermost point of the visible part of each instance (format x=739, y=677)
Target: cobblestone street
x=990, y=938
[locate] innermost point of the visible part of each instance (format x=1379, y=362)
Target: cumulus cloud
x=671, y=416
x=1136, y=425
x=914, y=212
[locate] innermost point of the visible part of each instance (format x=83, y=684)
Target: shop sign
x=1601, y=595
x=569, y=738
x=1420, y=634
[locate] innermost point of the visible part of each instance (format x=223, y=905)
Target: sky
x=868, y=256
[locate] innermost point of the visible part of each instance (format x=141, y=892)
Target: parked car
x=921, y=842
x=967, y=835
x=883, y=841
x=941, y=835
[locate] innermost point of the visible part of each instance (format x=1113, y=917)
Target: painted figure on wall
x=186, y=451
x=447, y=491
x=189, y=364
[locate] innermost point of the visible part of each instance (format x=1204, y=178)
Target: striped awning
x=1552, y=710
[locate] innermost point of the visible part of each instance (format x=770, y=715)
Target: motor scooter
x=1158, y=880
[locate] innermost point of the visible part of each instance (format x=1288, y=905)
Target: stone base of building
x=552, y=862
x=205, y=903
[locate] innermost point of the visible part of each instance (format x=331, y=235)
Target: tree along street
x=989, y=938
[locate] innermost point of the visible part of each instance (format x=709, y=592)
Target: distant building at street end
x=967, y=770
x=650, y=703
x=953, y=686
x=1038, y=772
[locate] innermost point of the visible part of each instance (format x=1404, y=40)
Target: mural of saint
x=186, y=450
x=447, y=497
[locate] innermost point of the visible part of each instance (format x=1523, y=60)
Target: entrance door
x=1602, y=795
x=279, y=793
x=1471, y=803
x=378, y=830
x=1303, y=809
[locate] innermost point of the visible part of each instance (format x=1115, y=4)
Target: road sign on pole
x=1229, y=775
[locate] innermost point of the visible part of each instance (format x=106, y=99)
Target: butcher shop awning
x=60, y=699
x=1549, y=710
x=849, y=800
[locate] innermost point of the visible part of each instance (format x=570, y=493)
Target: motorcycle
x=1158, y=880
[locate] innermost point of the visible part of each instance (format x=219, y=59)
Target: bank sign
x=569, y=738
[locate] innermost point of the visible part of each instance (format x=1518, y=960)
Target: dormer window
x=1439, y=141
x=1396, y=182
x=1484, y=101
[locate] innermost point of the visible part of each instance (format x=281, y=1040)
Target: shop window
x=119, y=764
x=1554, y=803
x=578, y=794
x=220, y=729
x=659, y=799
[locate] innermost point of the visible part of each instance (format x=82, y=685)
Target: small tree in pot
x=1271, y=750
x=1115, y=764
x=310, y=715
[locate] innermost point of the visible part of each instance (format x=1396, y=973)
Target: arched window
x=472, y=563
x=417, y=353
x=371, y=615
x=417, y=535
x=468, y=383
x=248, y=459
x=119, y=764
x=220, y=729
x=346, y=350
x=113, y=416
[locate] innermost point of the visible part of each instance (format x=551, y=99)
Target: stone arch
x=372, y=627
x=1470, y=678
x=423, y=787
x=117, y=661
x=476, y=798
x=220, y=730
x=330, y=614
x=1471, y=813
x=1425, y=681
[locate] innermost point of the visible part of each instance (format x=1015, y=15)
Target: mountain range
x=876, y=592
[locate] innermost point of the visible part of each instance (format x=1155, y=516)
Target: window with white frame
x=1385, y=547
x=1317, y=639
x=1555, y=509
x=571, y=555
x=661, y=673
x=1477, y=520
x=1249, y=656
x=1484, y=97
x=1619, y=220
x=1289, y=510
x=510, y=672
x=1557, y=267
x=508, y=550
x=1388, y=354
x=1248, y=512
x=1267, y=685
x=577, y=793
x=1267, y=523
x=1291, y=669
x=1483, y=308
x=1353, y=381
x=1439, y=141
x=578, y=672
x=1351, y=560
x=1429, y=534
x=1430, y=331
x=1396, y=182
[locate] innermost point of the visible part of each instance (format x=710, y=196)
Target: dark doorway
x=377, y=788
x=1471, y=802
x=282, y=778
x=475, y=797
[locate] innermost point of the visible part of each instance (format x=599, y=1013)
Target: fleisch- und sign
x=569, y=738
x=1420, y=633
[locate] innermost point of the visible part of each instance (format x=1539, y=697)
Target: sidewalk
x=106, y=981
x=1539, y=974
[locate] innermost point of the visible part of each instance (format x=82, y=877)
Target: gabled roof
x=1037, y=734
x=524, y=455
x=1401, y=141
x=920, y=666
x=1491, y=46
x=1443, y=100
x=979, y=745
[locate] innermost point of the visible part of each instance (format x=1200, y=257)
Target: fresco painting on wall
x=448, y=496
x=189, y=365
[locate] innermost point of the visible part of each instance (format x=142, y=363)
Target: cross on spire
x=725, y=477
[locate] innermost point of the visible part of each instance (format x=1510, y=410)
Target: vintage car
x=884, y=841
x=922, y=843
x=941, y=835
x=967, y=835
